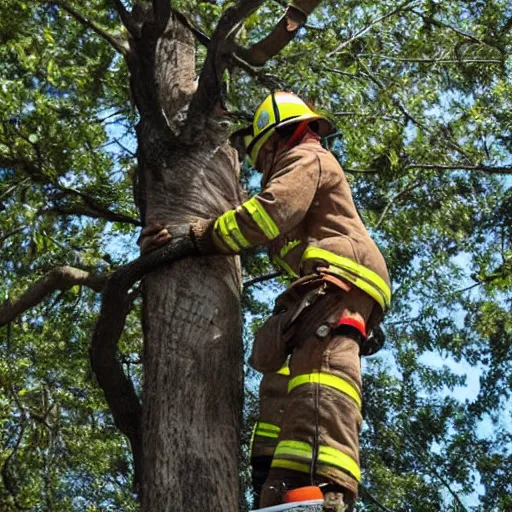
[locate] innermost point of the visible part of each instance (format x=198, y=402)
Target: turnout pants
x=308, y=430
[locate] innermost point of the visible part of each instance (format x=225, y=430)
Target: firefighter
x=309, y=349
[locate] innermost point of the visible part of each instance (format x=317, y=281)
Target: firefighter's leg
x=272, y=397
x=319, y=438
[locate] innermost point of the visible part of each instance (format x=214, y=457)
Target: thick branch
x=208, y=94
x=117, y=43
x=278, y=38
x=60, y=278
x=116, y=302
x=162, y=11
x=200, y=36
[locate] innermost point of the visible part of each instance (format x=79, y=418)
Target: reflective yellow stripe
x=326, y=379
x=223, y=233
x=264, y=433
x=227, y=229
x=326, y=455
x=289, y=464
x=288, y=247
x=281, y=263
x=262, y=218
x=296, y=448
x=285, y=370
x=332, y=457
x=267, y=427
x=357, y=274
x=234, y=230
x=262, y=429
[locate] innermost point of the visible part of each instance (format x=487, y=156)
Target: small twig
x=11, y=189
x=399, y=194
x=119, y=44
x=373, y=499
x=431, y=60
x=453, y=167
x=438, y=23
x=399, y=104
x=365, y=30
x=456, y=167
x=13, y=232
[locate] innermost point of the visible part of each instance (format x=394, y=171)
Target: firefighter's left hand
x=153, y=237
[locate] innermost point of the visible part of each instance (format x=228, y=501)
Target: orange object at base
x=303, y=494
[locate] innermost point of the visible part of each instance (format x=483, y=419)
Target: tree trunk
x=192, y=371
x=192, y=397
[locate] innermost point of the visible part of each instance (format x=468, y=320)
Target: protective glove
x=153, y=237
x=157, y=234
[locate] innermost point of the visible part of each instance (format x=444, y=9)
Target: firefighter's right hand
x=153, y=237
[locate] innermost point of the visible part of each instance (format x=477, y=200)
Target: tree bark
x=192, y=395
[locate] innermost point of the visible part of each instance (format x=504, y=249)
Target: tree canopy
x=420, y=92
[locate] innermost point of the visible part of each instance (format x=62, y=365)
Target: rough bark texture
x=192, y=326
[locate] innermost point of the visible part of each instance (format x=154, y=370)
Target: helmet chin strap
x=298, y=134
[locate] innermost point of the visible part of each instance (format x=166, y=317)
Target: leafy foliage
x=421, y=93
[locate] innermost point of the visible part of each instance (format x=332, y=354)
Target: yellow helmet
x=279, y=109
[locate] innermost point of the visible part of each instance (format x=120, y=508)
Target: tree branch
x=7, y=235
x=92, y=208
x=278, y=38
x=119, y=44
x=208, y=94
x=439, y=23
x=270, y=81
x=373, y=499
x=399, y=104
x=200, y=36
x=4, y=471
x=430, y=60
x=60, y=278
x=94, y=213
x=462, y=167
x=447, y=167
x=398, y=195
x=403, y=6
x=125, y=17
x=260, y=279
x=115, y=306
x=162, y=11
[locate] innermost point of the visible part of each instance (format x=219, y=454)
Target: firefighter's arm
x=276, y=210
